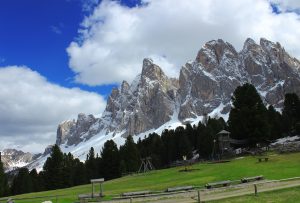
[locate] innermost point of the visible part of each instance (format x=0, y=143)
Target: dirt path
x=215, y=194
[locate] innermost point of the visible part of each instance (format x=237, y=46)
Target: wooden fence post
x=198, y=196
x=255, y=189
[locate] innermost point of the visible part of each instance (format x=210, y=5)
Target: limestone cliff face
x=208, y=82
x=74, y=132
x=64, y=130
x=204, y=86
x=145, y=104
x=271, y=70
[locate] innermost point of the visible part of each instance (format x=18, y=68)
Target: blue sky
x=36, y=33
x=59, y=58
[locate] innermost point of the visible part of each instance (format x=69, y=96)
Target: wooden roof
x=223, y=132
x=100, y=180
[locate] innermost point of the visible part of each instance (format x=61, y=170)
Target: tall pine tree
x=91, y=165
x=34, y=177
x=53, y=169
x=22, y=183
x=80, y=175
x=275, y=123
x=110, y=160
x=3, y=181
x=291, y=112
x=248, y=116
x=130, y=156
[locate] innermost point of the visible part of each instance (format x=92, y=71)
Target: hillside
x=279, y=166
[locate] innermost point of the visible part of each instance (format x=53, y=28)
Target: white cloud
x=88, y=5
x=287, y=5
x=115, y=38
x=31, y=108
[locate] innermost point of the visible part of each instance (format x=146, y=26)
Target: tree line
x=249, y=119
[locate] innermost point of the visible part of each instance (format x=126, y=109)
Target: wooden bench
x=137, y=193
x=218, y=184
x=250, y=179
x=84, y=198
x=175, y=189
x=260, y=159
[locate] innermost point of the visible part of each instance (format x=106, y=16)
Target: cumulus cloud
x=287, y=5
x=114, y=39
x=88, y=5
x=31, y=108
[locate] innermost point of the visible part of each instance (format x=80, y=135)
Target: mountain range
x=153, y=101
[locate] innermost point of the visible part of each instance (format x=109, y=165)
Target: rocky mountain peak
x=84, y=119
x=11, y=152
x=63, y=130
x=152, y=71
x=213, y=53
x=249, y=44
x=268, y=45
x=125, y=86
x=277, y=55
x=13, y=158
x=132, y=108
x=73, y=132
x=48, y=150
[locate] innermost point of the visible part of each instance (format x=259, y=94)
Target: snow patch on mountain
x=13, y=159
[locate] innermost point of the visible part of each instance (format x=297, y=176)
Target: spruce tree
x=130, y=155
x=248, y=117
x=156, y=147
x=110, y=160
x=22, y=182
x=184, y=147
x=53, y=169
x=80, y=175
x=169, y=143
x=3, y=181
x=291, y=112
x=68, y=170
x=275, y=123
x=205, y=139
x=91, y=165
x=191, y=134
x=34, y=180
x=41, y=181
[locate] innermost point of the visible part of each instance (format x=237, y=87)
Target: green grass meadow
x=279, y=166
x=290, y=195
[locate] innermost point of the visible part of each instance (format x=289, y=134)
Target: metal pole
x=92, y=190
x=101, y=191
x=255, y=189
x=198, y=196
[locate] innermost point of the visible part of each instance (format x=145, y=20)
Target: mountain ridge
x=12, y=158
x=154, y=101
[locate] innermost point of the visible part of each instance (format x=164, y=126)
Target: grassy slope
x=290, y=195
x=278, y=167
